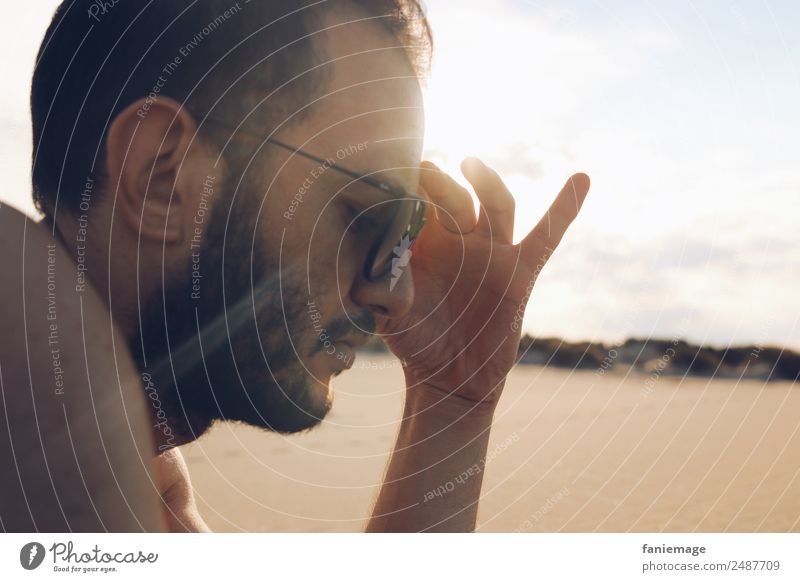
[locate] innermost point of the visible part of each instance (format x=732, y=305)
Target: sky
x=685, y=113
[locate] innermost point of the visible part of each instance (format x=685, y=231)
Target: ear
x=148, y=144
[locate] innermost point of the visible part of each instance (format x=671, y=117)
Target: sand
x=608, y=453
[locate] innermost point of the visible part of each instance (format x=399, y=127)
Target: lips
x=344, y=353
x=354, y=341
x=347, y=346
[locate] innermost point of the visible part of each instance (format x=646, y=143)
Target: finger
x=539, y=244
x=454, y=208
x=497, y=204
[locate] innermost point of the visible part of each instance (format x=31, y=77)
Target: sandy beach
x=573, y=451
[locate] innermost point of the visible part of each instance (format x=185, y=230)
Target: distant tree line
x=670, y=357
x=674, y=357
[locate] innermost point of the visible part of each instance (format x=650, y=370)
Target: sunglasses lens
x=404, y=226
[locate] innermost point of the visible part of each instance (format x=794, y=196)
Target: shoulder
x=14, y=227
x=75, y=446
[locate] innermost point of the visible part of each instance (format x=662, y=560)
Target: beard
x=229, y=351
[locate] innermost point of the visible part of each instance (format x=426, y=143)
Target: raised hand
x=472, y=284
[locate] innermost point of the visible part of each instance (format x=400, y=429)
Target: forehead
x=370, y=105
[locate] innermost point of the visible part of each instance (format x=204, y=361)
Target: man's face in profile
x=282, y=299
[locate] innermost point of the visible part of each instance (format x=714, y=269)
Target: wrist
x=430, y=401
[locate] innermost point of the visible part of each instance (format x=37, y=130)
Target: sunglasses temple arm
x=345, y=171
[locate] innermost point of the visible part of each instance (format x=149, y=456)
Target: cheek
x=334, y=254
x=327, y=258
x=332, y=270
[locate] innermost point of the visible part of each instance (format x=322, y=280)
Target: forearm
x=433, y=481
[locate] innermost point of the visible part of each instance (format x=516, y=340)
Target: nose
x=391, y=296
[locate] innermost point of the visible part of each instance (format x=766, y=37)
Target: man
x=230, y=193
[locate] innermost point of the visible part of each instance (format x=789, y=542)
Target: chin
x=291, y=402
x=322, y=393
x=305, y=408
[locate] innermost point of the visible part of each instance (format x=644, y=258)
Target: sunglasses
x=398, y=219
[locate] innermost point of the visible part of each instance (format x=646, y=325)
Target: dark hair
x=98, y=56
